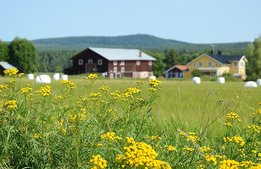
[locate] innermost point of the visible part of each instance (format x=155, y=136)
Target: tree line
x=23, y=54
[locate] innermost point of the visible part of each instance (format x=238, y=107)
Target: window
x=114, y=63
x=194, y=65
x=209, y=64
x=80, y=61
x=138, y=63
x=199, y=64
x=90, y=61
x=241, y=64
x=235, y=64
x=114, y=69
x=99, y=61
x=122, y=63
x=122, y=69
x=150, y=63
x=216, y=65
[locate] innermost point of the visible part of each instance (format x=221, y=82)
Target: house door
x=90, y=67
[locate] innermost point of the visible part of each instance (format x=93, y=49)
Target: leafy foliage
x=255, y=59
x=196, y=73
x=3, y=51
x=22, y=54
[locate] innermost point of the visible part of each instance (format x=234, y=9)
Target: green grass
x=61, y=127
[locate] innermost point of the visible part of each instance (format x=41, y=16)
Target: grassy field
x=101, y=123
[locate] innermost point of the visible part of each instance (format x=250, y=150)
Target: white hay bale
x=258, y=81
x=152, y=78
x=43, y=79
x=221, y=80
x=196, y=80
x=56, y=76
x=250, y=84
x=64, y=77
x=30, y=76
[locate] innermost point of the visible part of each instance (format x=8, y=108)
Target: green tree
x=3, y=51
x=158, y=65
x=170, y=58
x=22, y=54
x=254, y=52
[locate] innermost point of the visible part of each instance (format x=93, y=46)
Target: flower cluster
x=11, y=71
x=232, y=117
x=10, y=104
x=104, y=88
x=204, y=149
x=211, y=159
x=92, y=76
x=255, y=128
x=111, y=136
x=140, y=154
x=25, y=90
x=237, y=139
x=68, y=84
x=224, y=164
x=191, y=136
x=98, y=162
x=171, y=148
x=154, y=85
x=45, y=91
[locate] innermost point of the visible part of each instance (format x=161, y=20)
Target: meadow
x=91, y=122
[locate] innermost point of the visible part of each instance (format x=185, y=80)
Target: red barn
x=114, y=62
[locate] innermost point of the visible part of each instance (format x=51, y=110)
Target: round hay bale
x=56, y=76
x=251, y=84
x=43, y=79
x=196, y=80
x=30, y=76
x=64, y=77
x=152, y=78
x=221, y=80
x=258, y=81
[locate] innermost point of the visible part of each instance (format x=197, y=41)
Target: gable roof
x=122, y=54
x=180, y=67
x=6, y=65
x=225, y=59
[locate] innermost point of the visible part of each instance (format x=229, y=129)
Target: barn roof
x=6, y=65
x=122, y=54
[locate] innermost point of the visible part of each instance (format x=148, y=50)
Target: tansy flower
x=98, y=162
x=92, y=76
x=11, y=71
x=10, y=104
x=224, y=164
x=111, y=136
x=45, y=90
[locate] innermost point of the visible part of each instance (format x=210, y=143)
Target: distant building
x=177, y=71
x=113, y=62
x=4, y=66
x=217, y=65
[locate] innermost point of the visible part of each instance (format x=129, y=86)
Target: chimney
x=140, y=53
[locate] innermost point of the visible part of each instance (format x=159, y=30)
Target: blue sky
x=196, y=21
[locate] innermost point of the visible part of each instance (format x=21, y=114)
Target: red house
x=113, y=62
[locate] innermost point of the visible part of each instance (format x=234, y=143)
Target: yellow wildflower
x=10, y=104
x=68, y=84
x=104, y=88
x=237, y=139
x=11, y=71
x=25, y=90
x=92, y=76
x=98, y=162
x=211, y=159
x=204, y=149
x=171, y=148
x=111, y=136
x=37, y=136
x=224, y=164
x=45, y=90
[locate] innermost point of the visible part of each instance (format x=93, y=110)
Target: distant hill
x=140, y=41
